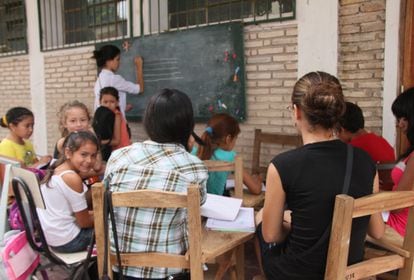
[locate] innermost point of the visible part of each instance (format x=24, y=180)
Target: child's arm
x=83, y=218
x=140, y=78
x=376, y=226
x=42, y=161
x=116, y=135
x=253, y=182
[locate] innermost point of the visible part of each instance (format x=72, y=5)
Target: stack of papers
x=226, y=214
x=244, y=222
x=221, y=207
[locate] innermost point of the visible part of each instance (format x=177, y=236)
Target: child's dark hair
x=353, y=118
x=104, y=54
x=73, y=142
x=403, y=107
x=109, y=91
x=15, y=115
x=169, y=117
x=218, y=128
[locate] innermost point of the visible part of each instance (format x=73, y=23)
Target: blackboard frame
x=226, y=59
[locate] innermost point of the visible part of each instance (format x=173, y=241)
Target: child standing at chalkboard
x=107, y=59
x=219, y=140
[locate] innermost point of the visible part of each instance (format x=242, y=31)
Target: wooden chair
x=204, y=246
x=270, y=138
x=249, y=200
x=398, y=258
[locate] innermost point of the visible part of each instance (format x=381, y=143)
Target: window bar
x=159, y=17
x=254, y=11
x=39, y=13
x=141, y=3
x=24, y=29
x=129, y=20
x=268, y=6
x=81, y=28
x=92, y=14
x=54, y=35
x=230, y=11
x=187, y=11
x=206, y=13
x=108, y=20
x=196, y=13
x=117, y=18
x=177, y=15
x=242, y=10
x=100, y=22
x=150, y=16
x=280, y=9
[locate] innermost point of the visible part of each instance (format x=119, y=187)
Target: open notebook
x=221, y=207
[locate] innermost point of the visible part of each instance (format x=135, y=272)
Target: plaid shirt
x=151, y=165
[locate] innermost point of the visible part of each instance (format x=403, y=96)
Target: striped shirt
x=151, y=165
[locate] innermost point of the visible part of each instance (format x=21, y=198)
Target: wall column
x=37, y=83
x=317, y=36
x=391, y=68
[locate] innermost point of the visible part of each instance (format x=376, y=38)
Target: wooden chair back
x=154, y=199
x=236, y=167
x=348, y=208
x=260, y=138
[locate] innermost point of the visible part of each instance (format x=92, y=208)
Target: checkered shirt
x=151, y=165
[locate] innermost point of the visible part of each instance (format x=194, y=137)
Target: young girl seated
x=20, y=122
x=66, y=221
x=74, y=117
x=219, y=140
x=109, y=124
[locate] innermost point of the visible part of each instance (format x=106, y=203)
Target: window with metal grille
x=80, y=22
x=189, y=13
x=12, y=27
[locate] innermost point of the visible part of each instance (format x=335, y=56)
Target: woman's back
x=311, y=177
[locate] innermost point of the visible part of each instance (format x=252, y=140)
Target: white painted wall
x=37, y=78
x=317, y=36
x=391, y=68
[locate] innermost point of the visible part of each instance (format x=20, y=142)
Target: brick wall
x=361, y=56
x=69, y=75
x=14, y=85
x=271, y=69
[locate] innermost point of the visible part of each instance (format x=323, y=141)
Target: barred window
x=80, y=22
x=190, y=13
x=13, y=39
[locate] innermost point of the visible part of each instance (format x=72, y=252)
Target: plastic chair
x=397, y=258
x=29, y=198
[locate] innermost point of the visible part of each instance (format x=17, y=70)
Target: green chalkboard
x=207, y=63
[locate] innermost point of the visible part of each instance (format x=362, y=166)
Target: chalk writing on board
x=163, y=69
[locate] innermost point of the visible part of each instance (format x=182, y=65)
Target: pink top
x=398, y=221
x=125, y=141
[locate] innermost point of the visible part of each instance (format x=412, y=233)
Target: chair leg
x=224, y=263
